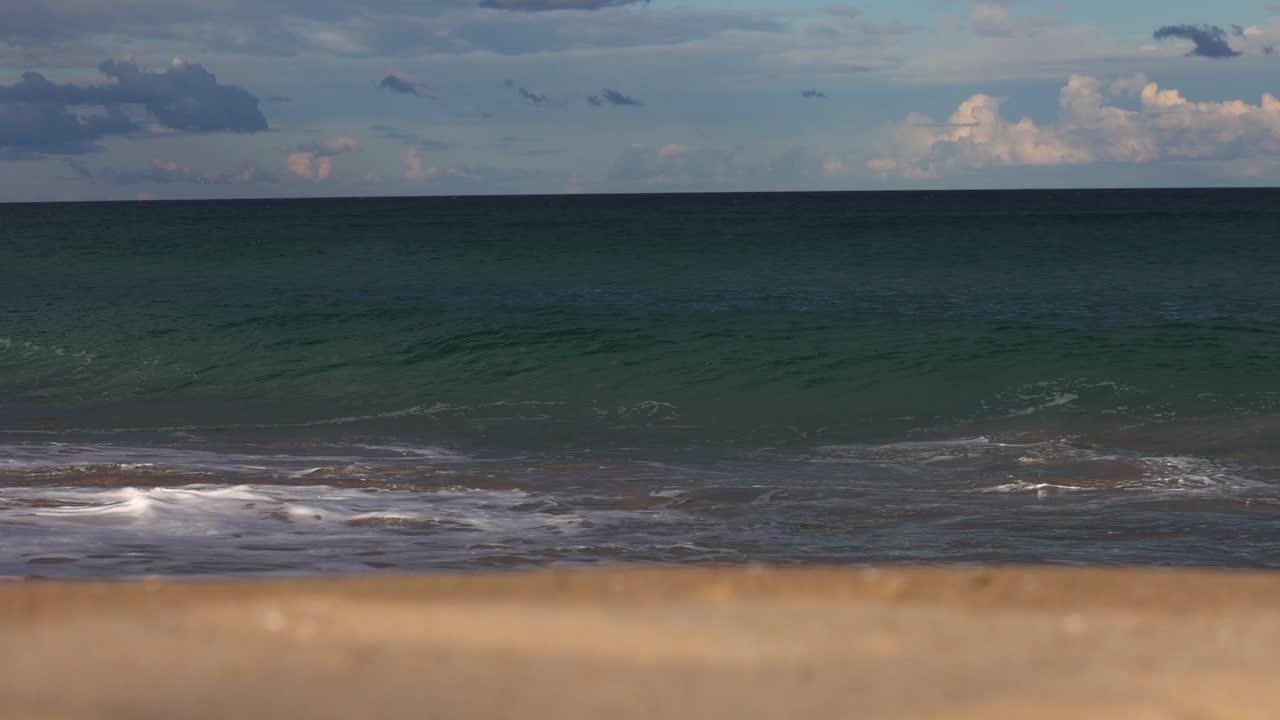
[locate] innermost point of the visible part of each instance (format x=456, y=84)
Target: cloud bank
x=43, y=117
x=1090, y=129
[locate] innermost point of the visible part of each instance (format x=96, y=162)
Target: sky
x=178, y=99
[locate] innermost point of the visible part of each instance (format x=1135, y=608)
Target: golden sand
x=964, y=643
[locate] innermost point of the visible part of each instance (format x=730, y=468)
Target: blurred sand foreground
x=968, y=643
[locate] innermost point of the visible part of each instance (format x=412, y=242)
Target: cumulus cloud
x=1210, y=40
x=399, y=82
x=813, y=94
x=1090, y=129
x=314, y=161
x=976, y=135
x=42, y=116
x=1254, y=40
x=309, y=167
x=413, y=169
x=188, y=97
x=544, y=5
x=612, y=97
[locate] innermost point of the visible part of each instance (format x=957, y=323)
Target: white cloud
x=991, y=18
x=1130, y=85
x=314, y=161
x=1035, y=47
x=1123, y=136
x=1089, y=129
x=413, y=169
x=307, y=166
x=339, y=43
x=1256, y=40
x=671, y=149
x=835, y=167
x=173, y=172
x=676, y=165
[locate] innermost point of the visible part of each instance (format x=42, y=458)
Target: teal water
x=1029, y=365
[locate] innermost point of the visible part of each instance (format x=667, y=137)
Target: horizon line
x=672, y=194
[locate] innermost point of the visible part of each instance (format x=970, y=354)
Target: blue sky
x=128, y=99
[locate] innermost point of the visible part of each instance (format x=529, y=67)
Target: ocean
x=390, y=385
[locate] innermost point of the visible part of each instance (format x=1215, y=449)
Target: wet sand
x=959, y=643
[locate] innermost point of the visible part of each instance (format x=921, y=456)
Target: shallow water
x=79, y=510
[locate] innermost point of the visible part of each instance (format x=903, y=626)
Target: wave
x=982, y=465
x=658, y=367
x=125, y=511
x=249, y=528
x=77, y=464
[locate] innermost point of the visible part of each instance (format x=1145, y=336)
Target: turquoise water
x=1019, y=373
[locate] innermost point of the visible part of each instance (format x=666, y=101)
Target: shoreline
x=754, y=642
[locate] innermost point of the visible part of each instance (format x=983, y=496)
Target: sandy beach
x=641, y=643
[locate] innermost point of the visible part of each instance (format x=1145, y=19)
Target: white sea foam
x=667, y=494
x=1041, y=489
x=1196, y=474
x=281, y=509
x=943, y=451
x=1043, y=467
x=238, y=528
x=1058, y=400
x=27, y=348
